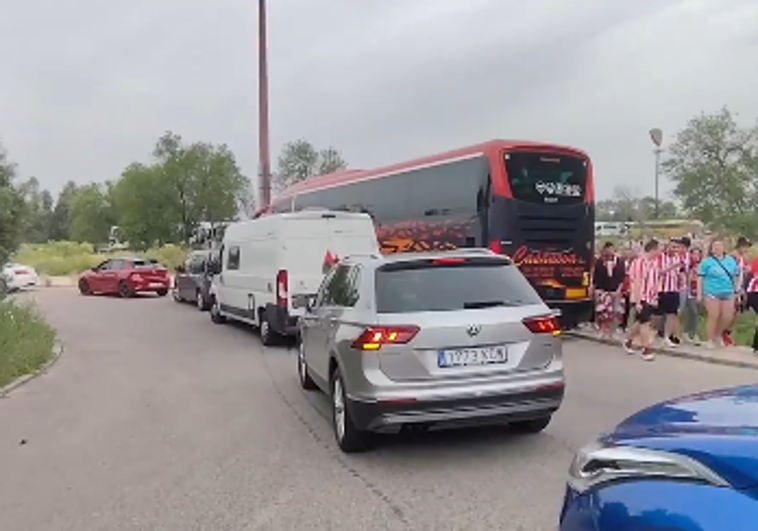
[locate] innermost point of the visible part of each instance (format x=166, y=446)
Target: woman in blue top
x=718, y=273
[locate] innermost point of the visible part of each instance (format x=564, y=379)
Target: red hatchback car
x=126, y=277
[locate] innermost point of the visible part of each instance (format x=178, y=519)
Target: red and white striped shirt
x=645, y=272
x=752, y=286
x=671, y=272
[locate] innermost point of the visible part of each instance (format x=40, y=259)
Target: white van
x=272, y=265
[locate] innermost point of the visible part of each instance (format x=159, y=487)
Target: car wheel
x=306, y=382
x=125, y=290
x=268, y=336
x=162, y=292
x=215, y=312
x=176, y=295
x=531, y=426
x=200, y=301
x=349, y=438
x=84, y=288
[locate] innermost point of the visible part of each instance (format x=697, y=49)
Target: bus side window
x=483, y=202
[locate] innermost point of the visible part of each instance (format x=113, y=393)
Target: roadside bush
x=71, y=258
x=26, y=340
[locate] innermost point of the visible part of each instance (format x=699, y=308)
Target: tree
x=714, y=165
x=91, y=215
x=300, y=159
x=625, y=205
x=184, y=184
x=39, y=211
x=12, y=208
x=141, y=196
x=59, y=224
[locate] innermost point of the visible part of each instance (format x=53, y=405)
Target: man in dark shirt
x=607, y=279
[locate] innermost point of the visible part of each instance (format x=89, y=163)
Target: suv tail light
x=448, y=261
x=374, y=337
x=136, y=277
x=282, y=287
x=543, y=325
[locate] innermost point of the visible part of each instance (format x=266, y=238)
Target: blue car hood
x=718, y=428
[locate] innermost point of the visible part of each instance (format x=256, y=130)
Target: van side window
x=233, y=258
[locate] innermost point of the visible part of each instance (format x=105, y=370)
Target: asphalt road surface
x=156, y=419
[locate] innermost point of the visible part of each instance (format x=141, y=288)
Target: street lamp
x=656, y=135
x=264, y=156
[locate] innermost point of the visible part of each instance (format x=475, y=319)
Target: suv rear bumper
x=377, y=415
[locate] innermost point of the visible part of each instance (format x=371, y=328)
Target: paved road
x=155, y=419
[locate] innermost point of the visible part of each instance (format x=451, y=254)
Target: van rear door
x=308, y=243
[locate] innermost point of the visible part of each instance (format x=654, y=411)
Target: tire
x=306, y=382
x=215, y=312
x=532, y=426
x=125, y=291
x=269, y=338
x=200, y=302
x=162, y=292
x=84, y=288
x=349, y=438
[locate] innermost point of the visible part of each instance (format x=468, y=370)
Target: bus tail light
x=546, y=324
x=282, y=287
x=374, y=337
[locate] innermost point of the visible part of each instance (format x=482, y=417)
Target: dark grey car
x=192, y=281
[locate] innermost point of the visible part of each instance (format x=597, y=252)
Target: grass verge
x=71, y=258
x=26, y=340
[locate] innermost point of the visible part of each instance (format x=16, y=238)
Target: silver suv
x=424, y=339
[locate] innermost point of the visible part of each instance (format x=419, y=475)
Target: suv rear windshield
x=546, y=178
x=452, y=287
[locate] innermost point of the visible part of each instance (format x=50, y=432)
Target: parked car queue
x=425, y=340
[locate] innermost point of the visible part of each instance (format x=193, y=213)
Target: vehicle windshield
x=146, y=263
x=452, y=287
x=546, y=178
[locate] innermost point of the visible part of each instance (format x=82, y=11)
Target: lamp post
x=656, y=135
x=264, y=156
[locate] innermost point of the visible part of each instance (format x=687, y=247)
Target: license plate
x=467, y=357
x=157, y=285
x=576, y=293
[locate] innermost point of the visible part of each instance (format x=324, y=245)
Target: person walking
x=717, y=274
x=627, y=256
x=644, y=277
x=691, y=308
x=752, y=298
x=607, y=278
x=740, y=250
x=671, y=265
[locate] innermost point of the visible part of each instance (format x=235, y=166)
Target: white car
x=19, y=276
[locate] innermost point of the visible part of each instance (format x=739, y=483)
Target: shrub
x=26, y=340
x=71, y=258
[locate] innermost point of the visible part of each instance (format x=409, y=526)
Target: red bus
x=529, y=200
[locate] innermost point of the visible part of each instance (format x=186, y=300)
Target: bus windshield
x=546, y=178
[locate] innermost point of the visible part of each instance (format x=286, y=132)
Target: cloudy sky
x=87, y=86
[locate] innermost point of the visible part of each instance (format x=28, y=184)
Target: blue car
x=689, y=464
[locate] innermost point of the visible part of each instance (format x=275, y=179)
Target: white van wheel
x=268, y=336
x=215, y=312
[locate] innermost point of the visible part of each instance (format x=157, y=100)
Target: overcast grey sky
x=87, y=86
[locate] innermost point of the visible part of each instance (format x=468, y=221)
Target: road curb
x=705, y=358
x=22, y=380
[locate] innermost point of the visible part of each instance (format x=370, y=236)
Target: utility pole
x=656, y=135
x=264, y=155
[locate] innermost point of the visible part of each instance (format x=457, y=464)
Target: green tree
x=300, y=159
x=714, y=165
x=141, y=197
x=165, y=200
x=39, y=211
x=91, y=214
x=12, y=208
x=59, y=224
